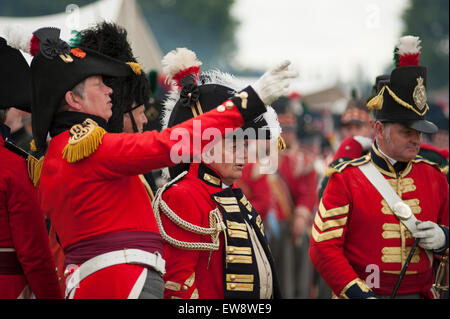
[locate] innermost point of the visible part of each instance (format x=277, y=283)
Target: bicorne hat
x=15, y=86
x=57, y=68
x=194, y=93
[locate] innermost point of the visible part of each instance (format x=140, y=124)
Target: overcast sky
x=325, y=39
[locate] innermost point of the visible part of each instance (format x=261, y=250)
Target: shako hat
x=404, y=98
x=355, y=112
x=111, y=39
x=194, y=93
x=15, y=83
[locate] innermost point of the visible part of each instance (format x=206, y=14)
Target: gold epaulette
x=34, y=168
x=341, y=166
x=34, y=165
x=420, y=159
x=84, y=140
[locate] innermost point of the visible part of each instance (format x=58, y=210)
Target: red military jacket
x=102, y=194
x=22, y=233
x=301, y=178
x=356, y=241
x=196, y=273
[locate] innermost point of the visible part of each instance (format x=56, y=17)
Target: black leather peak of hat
x=15, y=83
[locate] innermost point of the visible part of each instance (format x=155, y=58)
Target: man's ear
x=73, y=100
x=379, y=129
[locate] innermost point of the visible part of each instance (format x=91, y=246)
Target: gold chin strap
x=197, y=109
x=376, y=103
x=281, y=144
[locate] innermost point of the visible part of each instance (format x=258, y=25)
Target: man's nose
x=144, y=118
x=108, y=90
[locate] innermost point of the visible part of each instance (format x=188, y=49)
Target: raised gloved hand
x=431, y=235
x=274, y=83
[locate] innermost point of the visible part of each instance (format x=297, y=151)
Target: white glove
x=274, y=83
x=432, y=236
x=366, y=142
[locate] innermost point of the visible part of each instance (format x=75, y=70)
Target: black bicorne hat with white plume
x=194, y=93
x=402, y=97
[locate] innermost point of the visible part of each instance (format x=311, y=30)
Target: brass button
x=232, y=277
x=232, y=286
x=221, y=108
x=229, y=105
x=184, y=288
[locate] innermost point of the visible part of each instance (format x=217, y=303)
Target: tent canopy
x=125, y=13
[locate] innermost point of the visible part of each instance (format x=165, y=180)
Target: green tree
x=204, y=26
x=429, y=21
x=30, y=8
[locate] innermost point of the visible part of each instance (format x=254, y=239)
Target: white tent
x=125, y=13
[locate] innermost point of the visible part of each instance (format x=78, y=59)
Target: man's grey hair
x=78, y=90
x=387, y=127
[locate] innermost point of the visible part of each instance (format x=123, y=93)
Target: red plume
x=34, y=45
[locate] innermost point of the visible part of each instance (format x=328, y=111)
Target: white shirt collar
x=390, y=159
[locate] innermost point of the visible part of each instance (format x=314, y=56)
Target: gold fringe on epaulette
x=33, y=147
x=330, y=171
x=34, y=167
x=82, y=146
x=444, y=169
x=281, y=144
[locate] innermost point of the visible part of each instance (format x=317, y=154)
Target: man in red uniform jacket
x=89, y=185
x=358, y=245
x=214, y=239
x=27, y=268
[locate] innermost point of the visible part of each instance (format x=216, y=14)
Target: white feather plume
x=270, y=116
x=408, y=45
x=17, y=37
x=178, y=60
x=208, y=77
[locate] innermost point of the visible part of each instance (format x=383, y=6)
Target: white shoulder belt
x=400, y=209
